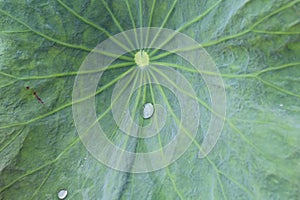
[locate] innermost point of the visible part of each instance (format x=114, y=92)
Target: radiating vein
x=80, y=47
x=117, y=23
x=198, y=18
x=141, y=23
x=193, y=70
x=193, y=139
x=59, y=75
x=224, y=117
x=94, y=25
x=7, y=84
x=68, y=104
x=11, y=140
x=160, y=141
x=251, y=27
x=150, y=22
x=132, y=22
x=276, y=32
x=278, y=88
x=163, y=24
x=41, y=185
x=186, y=25
x=75, y=141
x=284, y=66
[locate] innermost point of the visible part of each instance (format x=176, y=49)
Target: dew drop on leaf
x=62, y=194
x=148, y=110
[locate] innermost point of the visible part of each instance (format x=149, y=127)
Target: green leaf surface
x=256, y=47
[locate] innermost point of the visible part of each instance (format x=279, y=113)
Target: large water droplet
x=148, y=110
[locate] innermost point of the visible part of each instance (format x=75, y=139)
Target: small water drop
x=62, y=194
x=148, y=110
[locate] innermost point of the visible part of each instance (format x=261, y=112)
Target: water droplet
x=148, y=110
x=62, y=194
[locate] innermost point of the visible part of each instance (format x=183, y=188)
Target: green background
x=256, y=47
